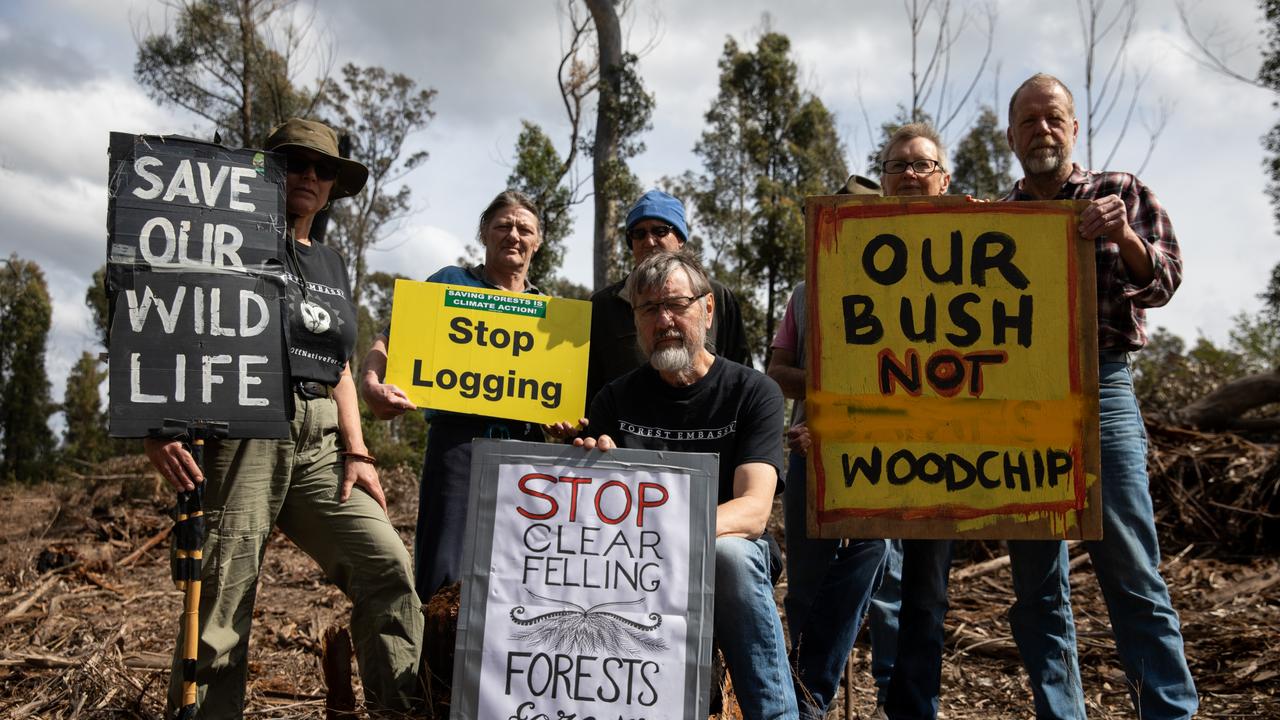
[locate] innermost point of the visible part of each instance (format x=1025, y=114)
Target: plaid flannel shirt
x=1121, y=304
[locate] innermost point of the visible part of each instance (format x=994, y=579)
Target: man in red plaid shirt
x=1138, y=267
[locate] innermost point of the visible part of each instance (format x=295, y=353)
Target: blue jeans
x=749, y=632
x=829, y=588
x=917, y=672
x=1127, y=564
x=882, y=621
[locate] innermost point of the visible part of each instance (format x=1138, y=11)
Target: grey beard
x=1040, y=163
x=672, y=359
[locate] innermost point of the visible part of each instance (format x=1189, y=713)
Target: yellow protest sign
x=490, y=352
x=952, y=384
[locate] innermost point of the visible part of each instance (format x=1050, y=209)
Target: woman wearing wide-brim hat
x=319, y=486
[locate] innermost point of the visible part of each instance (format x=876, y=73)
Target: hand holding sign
x=604, y=443
x=174, y=462
x=565, y=429
x=385, y=400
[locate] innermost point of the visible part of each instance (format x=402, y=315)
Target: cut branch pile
x=1218, y=490
x=88, y=614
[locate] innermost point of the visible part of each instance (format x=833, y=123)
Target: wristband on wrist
x=361, y=457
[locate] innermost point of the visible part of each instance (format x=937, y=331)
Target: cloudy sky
x=67, y=82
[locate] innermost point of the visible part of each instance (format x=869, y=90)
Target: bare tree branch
x=1155, y=128
x=1214, y=49
x=933, y=83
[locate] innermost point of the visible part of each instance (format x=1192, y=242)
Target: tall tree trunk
x=605, y=151
x=247, y=32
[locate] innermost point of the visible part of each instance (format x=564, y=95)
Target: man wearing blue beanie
x=655, y=222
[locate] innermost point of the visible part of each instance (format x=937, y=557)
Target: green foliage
x=399, y=441
x=1167, y=377
x=982, y=161
x=629, y=110
x=380, y=110
x=887, y=129
x=767, y=145
x=26, y=442
x=219, y=62
x=379, y=291
x=1271, y=296
x=539, y=173
x=1269, y=77
x=1257, y=337
x=85, y=436
x=373, y=314
x=95, y=298
x=564, y=288
x=1257, y=340
x=402, y=440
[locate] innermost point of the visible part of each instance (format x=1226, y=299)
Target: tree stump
x=440, y=630
x=339, y=699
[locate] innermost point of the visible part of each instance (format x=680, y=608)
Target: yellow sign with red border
x=952, y=384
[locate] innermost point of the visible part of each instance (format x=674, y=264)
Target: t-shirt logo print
x=315, y=318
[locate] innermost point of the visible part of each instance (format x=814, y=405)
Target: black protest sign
x=186, y=204
x=195, y=242
x=198, y=347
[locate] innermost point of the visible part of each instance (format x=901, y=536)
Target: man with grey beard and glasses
x=685, y=398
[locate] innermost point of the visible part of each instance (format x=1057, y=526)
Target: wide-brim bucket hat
x=318, y=137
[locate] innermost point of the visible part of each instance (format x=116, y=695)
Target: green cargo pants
x=252, y=485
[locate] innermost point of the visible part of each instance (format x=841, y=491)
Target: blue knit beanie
x=659, y=206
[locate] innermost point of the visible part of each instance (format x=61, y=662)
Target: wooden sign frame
x=910, y=438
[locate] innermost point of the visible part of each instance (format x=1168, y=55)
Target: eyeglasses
x=921, y=167
x=297, y=164
x=673, y=305
x=658, y=232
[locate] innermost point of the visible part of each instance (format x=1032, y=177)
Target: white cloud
x=418, y=251
x=60, y=131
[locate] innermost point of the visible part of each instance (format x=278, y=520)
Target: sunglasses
x=636, y=234
x=297, y=164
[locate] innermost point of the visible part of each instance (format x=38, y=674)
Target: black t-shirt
x=322, y=321
x=733, y=411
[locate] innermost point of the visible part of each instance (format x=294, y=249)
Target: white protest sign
x=587, y=584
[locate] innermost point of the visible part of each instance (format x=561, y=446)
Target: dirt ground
x=87, y=622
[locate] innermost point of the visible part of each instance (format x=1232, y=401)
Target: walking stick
x=189, y=540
